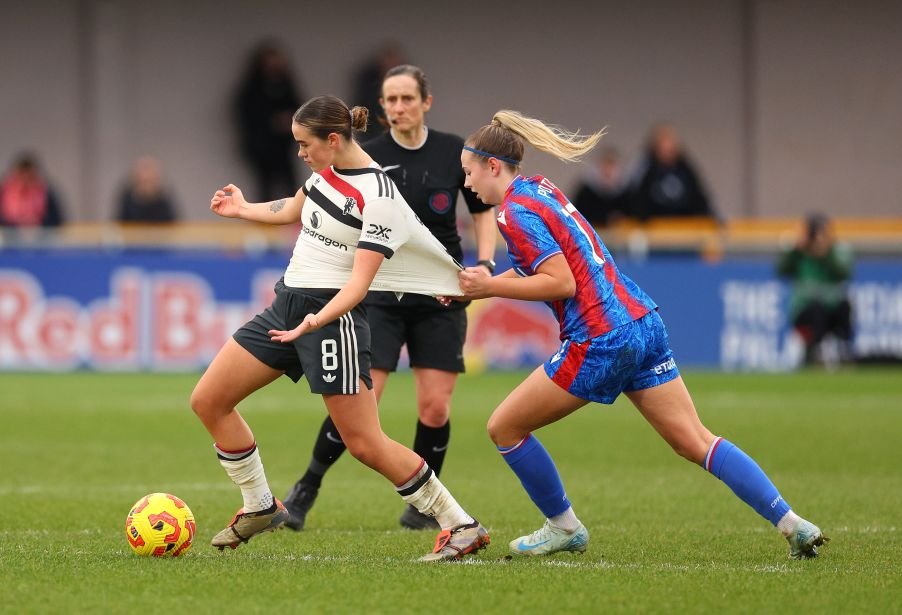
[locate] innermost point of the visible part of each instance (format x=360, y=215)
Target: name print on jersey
x=546, y=188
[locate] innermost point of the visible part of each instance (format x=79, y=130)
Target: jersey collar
x=415, y=147
x=510, y=187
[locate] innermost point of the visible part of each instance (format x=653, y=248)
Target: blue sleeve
x=529, y=240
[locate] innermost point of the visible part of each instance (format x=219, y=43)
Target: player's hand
x=310, y=323
x=228, y=201
x=475, y=282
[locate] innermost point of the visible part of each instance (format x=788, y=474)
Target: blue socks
x=533, y=466
x=727, y=462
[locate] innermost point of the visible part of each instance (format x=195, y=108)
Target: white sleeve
x=384, y=227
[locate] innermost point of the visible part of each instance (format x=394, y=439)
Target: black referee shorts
x=434, y=336
x=334, y=358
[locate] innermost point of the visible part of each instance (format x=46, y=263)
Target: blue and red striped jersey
x=538, y=221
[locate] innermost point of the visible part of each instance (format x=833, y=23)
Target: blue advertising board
x=172, y=310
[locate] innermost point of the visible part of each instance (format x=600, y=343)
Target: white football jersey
x=361, y=208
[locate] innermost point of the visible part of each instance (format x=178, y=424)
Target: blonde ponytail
x=560, y=143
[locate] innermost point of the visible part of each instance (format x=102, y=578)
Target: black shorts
x=333, y=358
x=434, y=336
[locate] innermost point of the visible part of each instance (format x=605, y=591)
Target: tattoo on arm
x=276, y=206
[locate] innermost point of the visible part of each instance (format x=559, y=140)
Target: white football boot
x=550, y=539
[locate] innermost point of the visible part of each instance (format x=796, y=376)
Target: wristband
x=488, y=264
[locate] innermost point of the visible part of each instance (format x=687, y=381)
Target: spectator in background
x=26, y=198
x=602, y=197
x=666, y=184
x=144, y=198
x=367, y=85
x=266, y=100
x=819, y=269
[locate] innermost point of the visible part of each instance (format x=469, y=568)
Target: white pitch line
x=138, y=488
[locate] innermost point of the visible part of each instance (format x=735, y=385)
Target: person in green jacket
x=819, y=268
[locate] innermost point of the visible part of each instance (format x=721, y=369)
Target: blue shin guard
x=727, y=462
x=533, y=466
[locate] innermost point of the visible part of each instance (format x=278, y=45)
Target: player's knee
x=201, y=403
x=434, y=411
x=502, y=434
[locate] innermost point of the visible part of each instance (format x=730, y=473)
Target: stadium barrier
x=705, y=236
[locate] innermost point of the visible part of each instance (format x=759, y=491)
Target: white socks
x=245, y=468
x=566, y=521
x=425, y=492
x=788, y=522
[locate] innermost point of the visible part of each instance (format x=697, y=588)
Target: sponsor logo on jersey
x=350, y=203
x=329, y=377
x=316, y=220
x=326, y=240
x=664, y=367
x=378, y=231
x=391, y=167
x=501, y=219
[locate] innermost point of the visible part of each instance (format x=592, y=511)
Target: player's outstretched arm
x=229, y=202
x=552, y=281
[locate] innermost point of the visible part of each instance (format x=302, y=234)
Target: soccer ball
x=160, y=525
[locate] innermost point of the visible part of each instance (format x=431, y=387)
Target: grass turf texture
x=79, y=449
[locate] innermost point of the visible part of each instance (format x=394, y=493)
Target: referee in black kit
x=425, y=166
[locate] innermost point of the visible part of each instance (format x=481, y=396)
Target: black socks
x=326, y=451
x=431, y=443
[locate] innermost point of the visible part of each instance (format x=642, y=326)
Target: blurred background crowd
x=767, y=128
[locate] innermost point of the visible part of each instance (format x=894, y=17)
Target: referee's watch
x=488, y=264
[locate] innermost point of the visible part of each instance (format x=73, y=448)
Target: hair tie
x=516, y=163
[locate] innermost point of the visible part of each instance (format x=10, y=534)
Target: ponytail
x=503, y=138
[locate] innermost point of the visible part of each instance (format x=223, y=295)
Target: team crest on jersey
x=440, y=202
x=350, y=203
x=315, y=220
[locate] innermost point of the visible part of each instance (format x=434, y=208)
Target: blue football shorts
x=632, y=357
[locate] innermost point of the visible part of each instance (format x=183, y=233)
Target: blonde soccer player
x=612, y=340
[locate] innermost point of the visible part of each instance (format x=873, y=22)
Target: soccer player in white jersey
x=425, y=166
x=358, y=233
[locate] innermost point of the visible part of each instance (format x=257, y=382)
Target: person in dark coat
x=266, y=100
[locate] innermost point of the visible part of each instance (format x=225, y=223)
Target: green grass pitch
x=76, y=450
